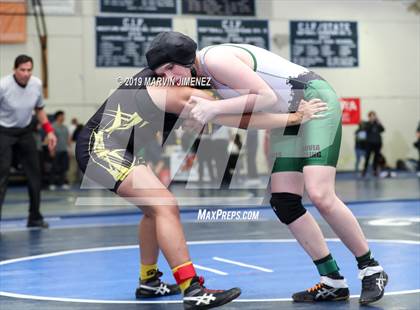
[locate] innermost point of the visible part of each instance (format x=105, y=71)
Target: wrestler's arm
x=264, y=120
x=254, y=94
x=175, y=100
x=259, y=120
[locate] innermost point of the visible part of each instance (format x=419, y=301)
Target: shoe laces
x=315, y=288
x=368, y=282
x=201, y=282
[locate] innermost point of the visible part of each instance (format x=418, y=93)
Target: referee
x=20, y=94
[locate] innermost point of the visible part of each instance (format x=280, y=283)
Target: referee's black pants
x=22, y=140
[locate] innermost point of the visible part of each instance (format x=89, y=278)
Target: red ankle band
x=184, y=273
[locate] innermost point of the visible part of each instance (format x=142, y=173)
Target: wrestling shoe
x=196, y=296
x=374, y=279
x=326, y=290
x=154, y=287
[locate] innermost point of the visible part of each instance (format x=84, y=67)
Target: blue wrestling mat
x=266, y=270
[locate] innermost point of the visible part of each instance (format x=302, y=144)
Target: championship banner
x=239, y=31
x=13, y=21
x=139, y=6
x=327, y=44
x=351, y=111
x=123, y=41
x=219, y=7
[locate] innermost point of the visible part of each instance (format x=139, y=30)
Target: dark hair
x=57, y=114
x=21, y=59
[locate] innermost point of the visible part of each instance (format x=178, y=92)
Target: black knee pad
x=287, y=206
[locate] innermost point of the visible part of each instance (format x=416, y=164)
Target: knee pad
x=287, y=206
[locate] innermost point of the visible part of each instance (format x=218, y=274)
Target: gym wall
x=387, y=79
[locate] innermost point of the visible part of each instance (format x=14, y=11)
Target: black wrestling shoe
x=327, y=290
x=154, y=287
x=196, y=296
x=37, y=224
x=374, y=279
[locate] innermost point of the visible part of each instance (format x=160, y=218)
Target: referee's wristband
x=47, y=127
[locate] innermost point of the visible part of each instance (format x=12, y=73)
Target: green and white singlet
x=316, y=142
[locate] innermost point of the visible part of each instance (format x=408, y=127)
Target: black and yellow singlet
x=107, y=147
